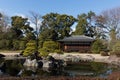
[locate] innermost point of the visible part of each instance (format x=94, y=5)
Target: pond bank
x=61, y=78
x=10, y=53
x=96, y=57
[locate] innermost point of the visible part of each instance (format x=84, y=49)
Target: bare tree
x=109, y=20
x=4, y=22
x=36, y=21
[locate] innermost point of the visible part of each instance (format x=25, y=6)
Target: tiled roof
x=78, y=38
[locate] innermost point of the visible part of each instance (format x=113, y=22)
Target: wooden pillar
x=65, y=47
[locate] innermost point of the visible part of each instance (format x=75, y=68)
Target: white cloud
x=19, y=14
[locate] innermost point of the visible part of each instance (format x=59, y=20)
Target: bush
x=97, y=46
x=59, y=51
x=8, y=44
x=29, y=51
x=31, y=48
x=43, y=52
x=2, y=44
x=15, y=44
x=103, y=53
x=115, y=53
x=51, y=46
x=22, y=45
x=116, y=49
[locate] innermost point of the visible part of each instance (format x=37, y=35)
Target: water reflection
x=16, y=68
x=92, y=69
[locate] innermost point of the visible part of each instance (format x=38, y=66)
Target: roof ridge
x=81, y=36
x=78, y=38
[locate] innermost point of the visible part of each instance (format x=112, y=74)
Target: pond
x=93, y=69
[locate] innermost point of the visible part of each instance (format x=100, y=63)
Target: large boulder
x=32, y=63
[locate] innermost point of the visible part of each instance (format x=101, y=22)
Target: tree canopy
x=86, y=25
x=55, y=26
x=59, y=24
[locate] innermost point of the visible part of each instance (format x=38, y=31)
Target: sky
x=70, y=7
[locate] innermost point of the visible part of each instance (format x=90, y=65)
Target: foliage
x=51, y=45
x=58, y=51
x=12, y=44
x=15, y=45
x=44, y=52
x=81, y=26
x=47, y=34
x=117, y=53
x=109, y=20
x=22, y=45
x=116, y=49
x=13, y=36
x=103, y=53
x=56, y=26
x=30, y=48
x=97, y=46
x=86, y=25
x=5, y=44
x=20, y=26
x=113, y=39
x=2, y=44
x=30, y=36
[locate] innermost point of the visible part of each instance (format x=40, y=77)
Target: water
x=93, y=69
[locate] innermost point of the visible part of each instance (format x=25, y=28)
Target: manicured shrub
x=44, y=52
x=30, y=48
x=51, y=45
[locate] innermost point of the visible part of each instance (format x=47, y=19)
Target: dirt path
x=9, y=54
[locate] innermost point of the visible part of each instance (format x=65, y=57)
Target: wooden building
x=78, y=43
